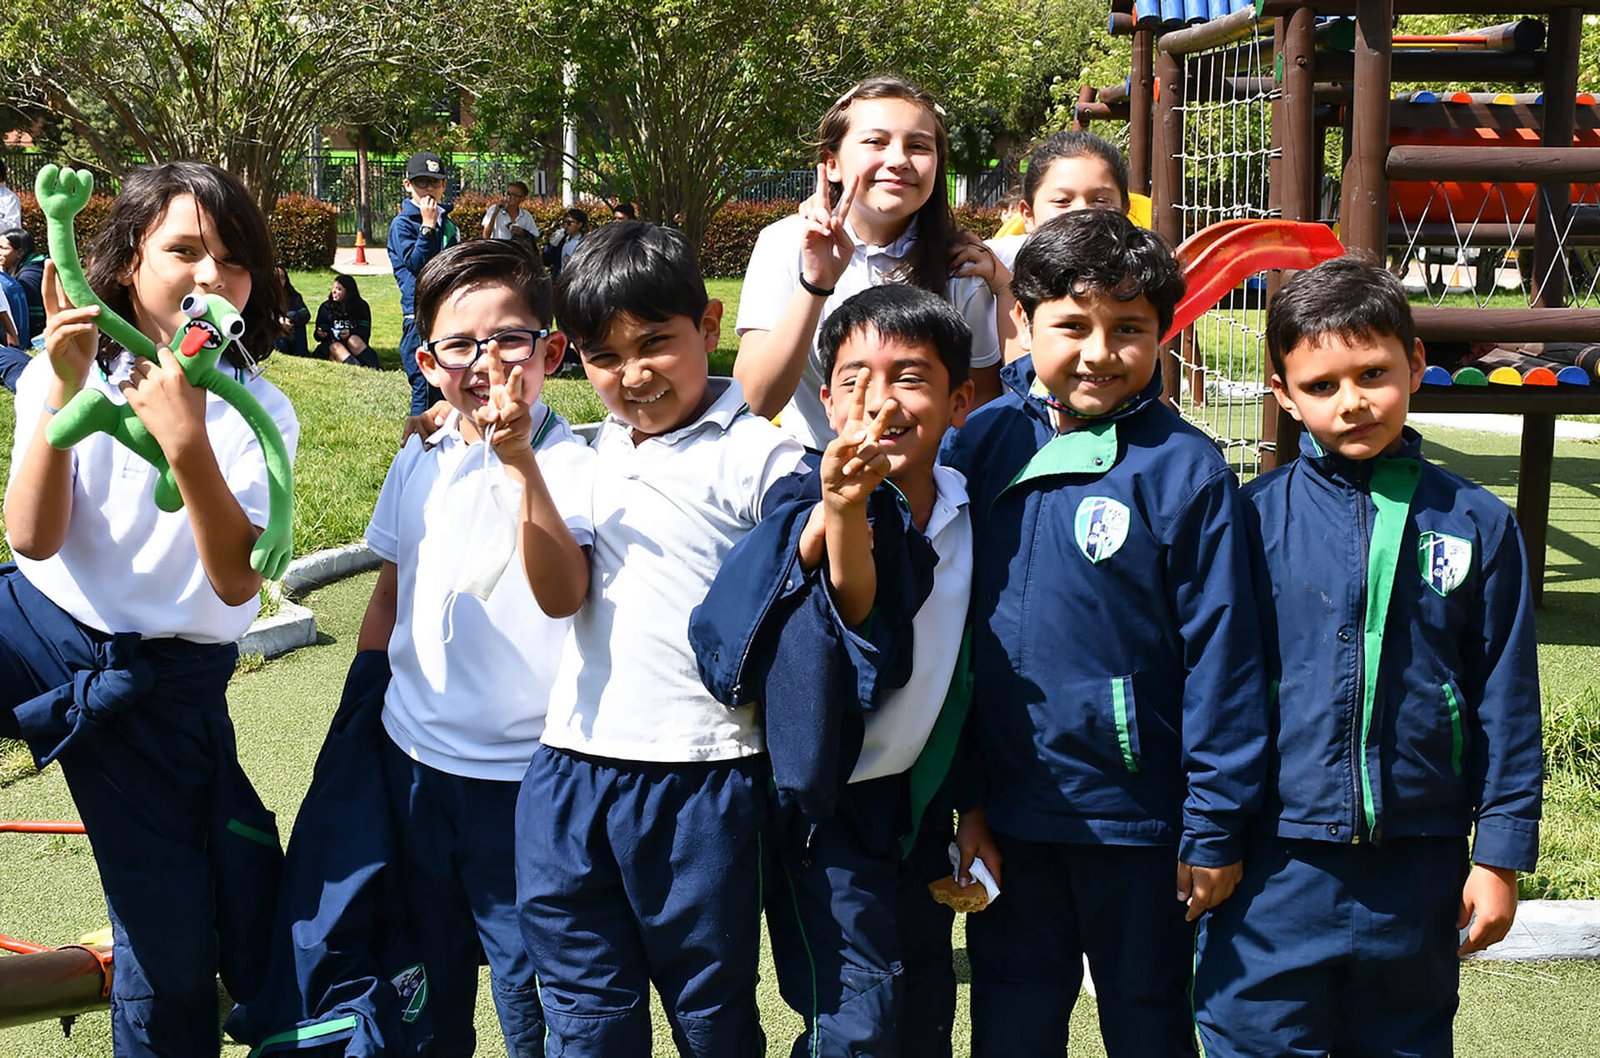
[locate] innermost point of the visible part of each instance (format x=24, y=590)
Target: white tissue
x=979, y=872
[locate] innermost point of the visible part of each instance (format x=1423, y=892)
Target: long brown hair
x=147, y=192
x=927, y=265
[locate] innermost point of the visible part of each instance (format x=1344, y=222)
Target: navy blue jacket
x=31, y=276
x=16, y=299
x=410, y=250
x=341, y=973
x=1408, y=681
x=768, y=631
x=1119, y=695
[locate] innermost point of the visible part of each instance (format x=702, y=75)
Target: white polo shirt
x=1006, y=247
x=473, y=706
x=502, y=226
x=666, y=514
x=899, y=729
x=774, y=275
x=126, y=565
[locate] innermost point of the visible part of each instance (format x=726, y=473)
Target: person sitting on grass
x=344, y=326
x=1401, y=639
x=293, y=320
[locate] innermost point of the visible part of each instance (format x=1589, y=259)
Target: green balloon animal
x=212, y=325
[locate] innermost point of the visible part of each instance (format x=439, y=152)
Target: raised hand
x=171, y=407
x=825, y=244
x=507, y=411
x=70, y=335
x=853, y=465
x=429, y=206
x=970, y=257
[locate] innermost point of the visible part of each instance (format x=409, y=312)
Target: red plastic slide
x=1219, y=258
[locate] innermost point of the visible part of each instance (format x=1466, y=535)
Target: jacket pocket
x=1458, y=734
x=1122, y=713
x=1089, y=725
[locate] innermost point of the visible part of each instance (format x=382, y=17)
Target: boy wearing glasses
x=483, y=529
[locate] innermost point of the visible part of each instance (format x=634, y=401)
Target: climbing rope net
x=1227, y=159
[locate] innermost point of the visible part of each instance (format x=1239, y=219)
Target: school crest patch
x=1444, y=561
x=1100, y=527
x=412, y=984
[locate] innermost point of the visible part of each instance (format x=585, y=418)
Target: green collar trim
x=1090, y=449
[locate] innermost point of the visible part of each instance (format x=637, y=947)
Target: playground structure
x=38, y=983
x=1286, y=110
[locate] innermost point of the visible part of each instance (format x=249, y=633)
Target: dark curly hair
x=1100, y=252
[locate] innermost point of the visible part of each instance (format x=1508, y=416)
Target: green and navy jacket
x=1119, y=694
x=1405, y=660
x=769, y=632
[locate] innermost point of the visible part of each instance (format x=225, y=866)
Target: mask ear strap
x=450, y=616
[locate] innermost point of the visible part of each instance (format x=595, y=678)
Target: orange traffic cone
x=361, y=248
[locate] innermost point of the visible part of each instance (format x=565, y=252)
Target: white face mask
x=483, y=518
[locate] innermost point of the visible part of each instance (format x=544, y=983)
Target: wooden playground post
x=1364, y=208
x=1140, y=89
x=1295, y=188
x=1550, y=279
x=1166, y=179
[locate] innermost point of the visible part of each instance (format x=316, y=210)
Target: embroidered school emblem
x=412, y=984
x=1443, y=561
x=1100, y=527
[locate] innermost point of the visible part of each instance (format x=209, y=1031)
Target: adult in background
x=622, y=211
x=10, y=204
x=344, y=326
x=19, y=258
x=507, y=219
x=416, y=236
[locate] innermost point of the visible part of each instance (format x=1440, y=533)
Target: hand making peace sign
x=507, y=413
x=853, y=465
x=825, y=245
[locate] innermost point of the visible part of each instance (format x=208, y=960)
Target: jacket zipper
x=1358, y=762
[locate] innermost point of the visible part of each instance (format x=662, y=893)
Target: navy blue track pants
x=188, y=857
x=1116, y=904
x=632, y=874
x=457, y=874
x=861, y=948
x=1340, y=950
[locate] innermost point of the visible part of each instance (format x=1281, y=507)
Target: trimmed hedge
x=731, y=234
x=86, y=226
x=305, y=230
x=982, y=221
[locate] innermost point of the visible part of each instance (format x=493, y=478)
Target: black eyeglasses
x=457, y=352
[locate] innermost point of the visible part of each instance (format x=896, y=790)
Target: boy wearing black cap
x=416, y=236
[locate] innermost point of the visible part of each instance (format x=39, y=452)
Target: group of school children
x=614, y=703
